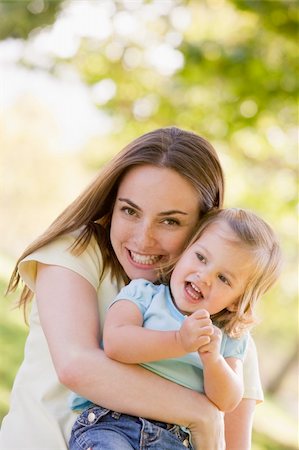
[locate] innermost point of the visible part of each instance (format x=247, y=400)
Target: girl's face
x=211, y=274
x=155, y=211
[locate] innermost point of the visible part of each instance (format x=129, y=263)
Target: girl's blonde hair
x=259, y=238
x=190, y=155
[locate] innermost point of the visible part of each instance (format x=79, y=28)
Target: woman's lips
x=145, y=260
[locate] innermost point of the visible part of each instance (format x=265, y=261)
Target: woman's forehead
x=167, y=184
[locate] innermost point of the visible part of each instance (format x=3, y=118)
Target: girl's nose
x=204, y=277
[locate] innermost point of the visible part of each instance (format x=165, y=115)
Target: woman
x=139, y=211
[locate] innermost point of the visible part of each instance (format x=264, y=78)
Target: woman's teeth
x=145, y=259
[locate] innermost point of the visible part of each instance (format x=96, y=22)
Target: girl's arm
x=223, y=382
x=68, y=312
x=223, y=377
x=125, y=339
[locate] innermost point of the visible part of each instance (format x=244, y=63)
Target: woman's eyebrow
x=162, y=213
x=171, y=212
x=130, y=203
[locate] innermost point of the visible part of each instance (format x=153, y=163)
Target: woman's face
x=154, y=214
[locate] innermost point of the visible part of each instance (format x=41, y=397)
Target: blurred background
x=79, y=79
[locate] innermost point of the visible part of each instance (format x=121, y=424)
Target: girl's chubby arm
x=125, y=339
x=68, y=310
x=223, y=377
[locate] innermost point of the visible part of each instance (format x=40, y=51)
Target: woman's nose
x=145, y=236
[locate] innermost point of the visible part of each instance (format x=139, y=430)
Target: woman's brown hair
x=192, y=156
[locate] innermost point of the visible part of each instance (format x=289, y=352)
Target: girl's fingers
x=217, y=331
x=207, y=330
x=200, y=314
x=203, y=341
x=203, y=322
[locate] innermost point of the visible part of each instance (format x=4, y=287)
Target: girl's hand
x=196, y=331
x=211, y=351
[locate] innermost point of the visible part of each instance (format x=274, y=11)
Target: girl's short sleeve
x=140, y=292
x=235, y=348
x=58, y=253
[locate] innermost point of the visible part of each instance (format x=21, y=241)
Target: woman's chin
x=138, y=271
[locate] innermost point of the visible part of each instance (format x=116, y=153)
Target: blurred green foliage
x=19, y=18
x=226, y=69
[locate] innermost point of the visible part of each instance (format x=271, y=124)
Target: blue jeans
x=99, y=428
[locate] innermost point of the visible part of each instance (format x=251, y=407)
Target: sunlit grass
x=275, y=429
x=13, y=333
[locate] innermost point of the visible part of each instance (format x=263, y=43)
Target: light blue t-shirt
x=160, y=313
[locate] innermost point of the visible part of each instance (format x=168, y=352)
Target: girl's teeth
x=144, y=259
x=195, y=292
x=195, y=287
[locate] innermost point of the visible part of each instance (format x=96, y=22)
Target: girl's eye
x=224, y=279
x=200, y=257
x=172, y=222
x=128, y=211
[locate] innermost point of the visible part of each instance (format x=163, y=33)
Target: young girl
x=193, y=331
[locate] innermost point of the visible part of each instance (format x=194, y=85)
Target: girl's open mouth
x=193, y=291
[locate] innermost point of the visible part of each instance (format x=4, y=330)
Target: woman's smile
x=144, y=260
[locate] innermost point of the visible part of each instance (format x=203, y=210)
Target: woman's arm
x=68, y=312
x=125, y=339
x=238, y=423
x=238, y=426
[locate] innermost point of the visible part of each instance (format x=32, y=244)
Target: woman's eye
x=128, y=211
x=200, y=257
x=224, y=279
x=171, y=222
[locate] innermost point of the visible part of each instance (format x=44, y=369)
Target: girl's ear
x=233, y=307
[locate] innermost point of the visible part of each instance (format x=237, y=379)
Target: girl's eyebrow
x=163, y=213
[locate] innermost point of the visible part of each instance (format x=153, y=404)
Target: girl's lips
x=144, y=260
x=193, y=291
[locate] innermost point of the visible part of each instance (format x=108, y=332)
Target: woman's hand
x=208, y=431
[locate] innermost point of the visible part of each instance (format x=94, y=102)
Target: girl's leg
x=161, y=435
x=98, y=439
x=101, y=429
